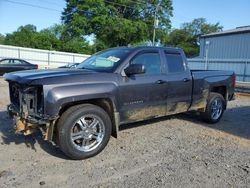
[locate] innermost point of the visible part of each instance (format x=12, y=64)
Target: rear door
x=179, y=80
x=18, y=65
x=144, y=96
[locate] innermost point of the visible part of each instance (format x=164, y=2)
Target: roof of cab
x=149, y=47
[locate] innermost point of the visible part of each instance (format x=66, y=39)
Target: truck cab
x=164, y=88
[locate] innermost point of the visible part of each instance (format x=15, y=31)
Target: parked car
x=74, y=65
x=12, y=64
x=80, y=108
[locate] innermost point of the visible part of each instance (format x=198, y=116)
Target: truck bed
x=204, y=80
x=207, y=73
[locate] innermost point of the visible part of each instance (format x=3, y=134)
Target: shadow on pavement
x=235, y=121
x=8, y=136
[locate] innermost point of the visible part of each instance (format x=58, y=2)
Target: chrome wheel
x=87, y=133
x=216, y=109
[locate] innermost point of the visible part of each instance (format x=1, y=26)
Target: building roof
x=237, y=30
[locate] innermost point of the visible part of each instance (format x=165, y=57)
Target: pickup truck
x=79, y=109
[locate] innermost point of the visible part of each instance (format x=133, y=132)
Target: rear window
x=174, y=62
x=18, y=62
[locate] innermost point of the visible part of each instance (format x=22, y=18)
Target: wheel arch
x=107, y=104
x=221, y=90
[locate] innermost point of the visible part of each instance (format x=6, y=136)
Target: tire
x=83, y=131
x=210, y=116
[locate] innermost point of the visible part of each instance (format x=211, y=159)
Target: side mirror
x=134, y=69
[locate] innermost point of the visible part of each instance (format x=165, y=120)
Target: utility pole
x=156, y=22
x=207, y=43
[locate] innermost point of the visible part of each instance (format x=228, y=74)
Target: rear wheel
x=83, y=131
x=214, y=109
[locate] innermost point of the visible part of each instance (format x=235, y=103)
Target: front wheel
x=83, y=131
x=214, y=109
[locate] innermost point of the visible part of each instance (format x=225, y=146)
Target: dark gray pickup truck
x=79, y=109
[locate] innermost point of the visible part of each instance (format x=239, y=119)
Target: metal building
x=230, y=44
x=226, y=50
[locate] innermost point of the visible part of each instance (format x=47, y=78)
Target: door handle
x=160, y=82
x=186, y=79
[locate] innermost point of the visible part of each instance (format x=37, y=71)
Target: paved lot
x=177, y=151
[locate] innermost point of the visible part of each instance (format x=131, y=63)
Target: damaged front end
x=27, y=110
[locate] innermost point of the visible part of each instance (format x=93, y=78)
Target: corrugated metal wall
x=44, y=58
x=234, y=46
x=225, y=52
x=241, y=67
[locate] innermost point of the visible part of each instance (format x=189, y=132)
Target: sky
x=229, y=13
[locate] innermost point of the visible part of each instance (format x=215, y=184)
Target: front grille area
x=14, y=90
x=27, y=100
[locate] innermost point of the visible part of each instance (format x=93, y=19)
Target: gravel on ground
x=175, y=151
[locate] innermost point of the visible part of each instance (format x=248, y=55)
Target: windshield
x=105, y=61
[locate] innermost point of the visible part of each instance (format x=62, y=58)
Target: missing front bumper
x=27, y=124
x=24, y=127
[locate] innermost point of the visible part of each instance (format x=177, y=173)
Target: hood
x=49, y=75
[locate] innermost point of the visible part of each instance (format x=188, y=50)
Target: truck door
x=179, y=80
x=144, y=96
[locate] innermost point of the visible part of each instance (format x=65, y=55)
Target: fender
x=57, y=97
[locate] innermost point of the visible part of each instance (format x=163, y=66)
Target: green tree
x=2, y=38
x=116, y=22
x=199, y=26
x=52, y=38
x=46, y=40
x=24, y=36
x=188, y=36
x=67, y=43
x=183, y=39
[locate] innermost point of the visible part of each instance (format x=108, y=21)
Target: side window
x=174, y=62
x=5, y=61
x=17, y=62
x=151, y=62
